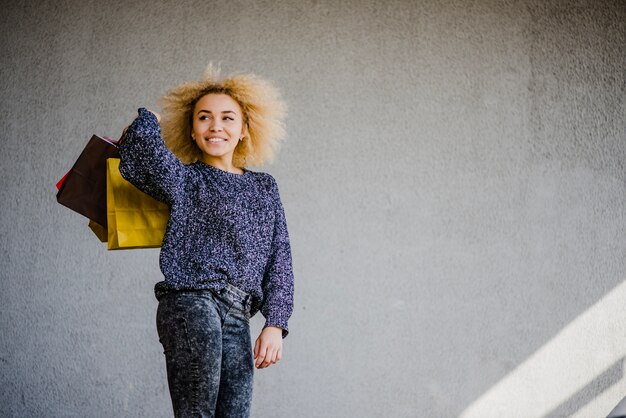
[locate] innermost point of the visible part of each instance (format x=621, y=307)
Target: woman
x=226, y=252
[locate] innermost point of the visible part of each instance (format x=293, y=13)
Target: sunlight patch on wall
x=578, y=373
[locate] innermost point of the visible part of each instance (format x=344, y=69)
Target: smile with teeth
x=216, y=139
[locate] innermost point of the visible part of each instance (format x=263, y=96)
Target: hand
x=155, y=114
x=268, y=348
x=126, y=128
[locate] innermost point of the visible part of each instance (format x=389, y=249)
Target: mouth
x=215, y=139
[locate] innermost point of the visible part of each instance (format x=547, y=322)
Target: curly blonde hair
x=261, y=104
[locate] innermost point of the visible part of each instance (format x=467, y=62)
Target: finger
x=269, y=358
x=260, y=363
x=261, y=357
x=275, y=356
x=266, y=361
x=257, y=345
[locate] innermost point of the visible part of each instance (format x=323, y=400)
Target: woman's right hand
x=155, y=114
x=126, y=128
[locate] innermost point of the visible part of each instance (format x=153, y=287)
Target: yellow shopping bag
x=135, y=220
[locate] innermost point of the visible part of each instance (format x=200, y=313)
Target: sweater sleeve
x=146, y=162
x=278, y=279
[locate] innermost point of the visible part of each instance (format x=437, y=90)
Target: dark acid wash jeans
x=208, y=351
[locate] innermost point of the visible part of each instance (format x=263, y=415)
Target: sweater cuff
x=149, y=117
x=275, y=321
x=142, y=112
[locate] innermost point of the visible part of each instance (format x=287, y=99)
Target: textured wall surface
x=454, y=182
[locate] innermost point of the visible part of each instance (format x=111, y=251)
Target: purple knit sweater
x=223, y=227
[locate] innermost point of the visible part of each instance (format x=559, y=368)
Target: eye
x=228, y=118
x=203, y=117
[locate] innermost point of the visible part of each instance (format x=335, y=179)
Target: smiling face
x=217, y=127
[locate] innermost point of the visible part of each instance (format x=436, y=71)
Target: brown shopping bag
x=83, y=188
x=135, y=220
x=96, y=228
x=100, y=231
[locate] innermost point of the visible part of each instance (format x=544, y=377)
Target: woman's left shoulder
x=266, y=179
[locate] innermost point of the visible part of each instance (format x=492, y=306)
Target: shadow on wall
x=579, y=373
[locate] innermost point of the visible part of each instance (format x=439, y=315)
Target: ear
x=245, y=132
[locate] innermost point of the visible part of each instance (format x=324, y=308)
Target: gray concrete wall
x=453, y=179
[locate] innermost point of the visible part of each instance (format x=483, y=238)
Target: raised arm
x=146, y=162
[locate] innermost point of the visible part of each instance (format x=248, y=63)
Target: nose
x=216, y=125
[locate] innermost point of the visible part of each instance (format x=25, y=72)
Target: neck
x=225, y=164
